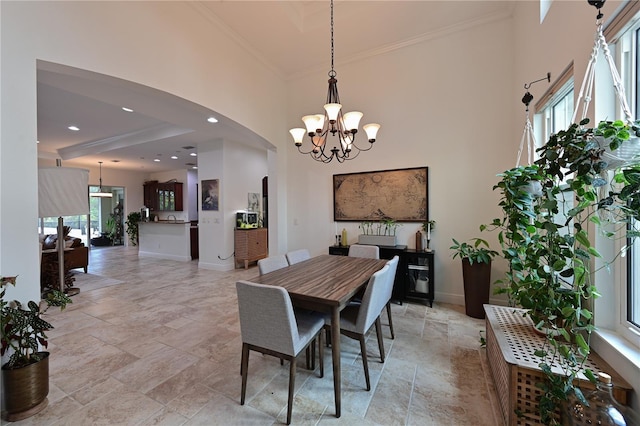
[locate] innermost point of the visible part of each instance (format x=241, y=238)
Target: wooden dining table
x=326, y=283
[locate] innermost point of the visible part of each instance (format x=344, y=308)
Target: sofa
x=76, y=254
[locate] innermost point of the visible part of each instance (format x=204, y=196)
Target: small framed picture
x=210, y=194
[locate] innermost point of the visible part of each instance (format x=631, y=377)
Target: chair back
x=272, y=263
x=361, y=250
x=391, y=277
x=297, y=256
x=266, y=317
x=373, y=301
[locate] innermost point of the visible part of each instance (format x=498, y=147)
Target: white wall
x=240, y=170
x=146, y=46
x=431, y=100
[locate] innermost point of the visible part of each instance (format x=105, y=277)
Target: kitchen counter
x=165, y=240
x=168, y=222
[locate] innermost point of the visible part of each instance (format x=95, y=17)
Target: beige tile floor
x=163, y=348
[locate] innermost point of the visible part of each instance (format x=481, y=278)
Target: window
x=554, y=109
x=623, y=36
x=633, y=281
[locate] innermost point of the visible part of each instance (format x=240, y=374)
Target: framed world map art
x=399, y=194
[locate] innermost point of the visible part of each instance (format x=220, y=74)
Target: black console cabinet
x=414, y=277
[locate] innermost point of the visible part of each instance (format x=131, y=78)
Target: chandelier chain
x=334, y=122
x=332, y=73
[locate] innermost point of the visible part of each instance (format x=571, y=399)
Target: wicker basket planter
x=25, y=389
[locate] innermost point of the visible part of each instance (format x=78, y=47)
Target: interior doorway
x=106, y=226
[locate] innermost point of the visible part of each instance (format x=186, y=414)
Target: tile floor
x=163, y=348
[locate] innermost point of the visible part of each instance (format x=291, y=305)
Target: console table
x=414, y=277
x=511, y=343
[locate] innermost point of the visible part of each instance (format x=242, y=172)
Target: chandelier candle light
x=344, y=126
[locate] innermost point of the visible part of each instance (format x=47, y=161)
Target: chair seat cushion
x=309, y=324
x=348, y=317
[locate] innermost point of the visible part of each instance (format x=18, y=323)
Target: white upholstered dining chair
x=362, y=250
x=357, y=319
x=391, y=278
x=297, y=256
x=272, y=263
x=268, y=325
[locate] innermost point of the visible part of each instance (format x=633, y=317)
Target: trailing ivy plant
x=548, y=209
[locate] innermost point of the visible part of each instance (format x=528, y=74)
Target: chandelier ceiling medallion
x=344, y=126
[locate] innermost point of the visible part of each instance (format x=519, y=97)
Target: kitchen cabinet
x=250, y=245
x=165, y=196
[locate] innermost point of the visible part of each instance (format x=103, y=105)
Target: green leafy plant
x=132, y=223
x=385, y=226
x=425, y=225
x=110, y=227
x=548, y=210
x=23, y=331
x=476, y=250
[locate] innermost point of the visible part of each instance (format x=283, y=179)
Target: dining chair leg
x=393, y=336
x=363, y=350
x=292, y=383
x=244, y=367
x=380, y=339
x=321, y=354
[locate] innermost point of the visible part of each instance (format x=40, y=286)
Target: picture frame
x=398, y=194
x=210, y=195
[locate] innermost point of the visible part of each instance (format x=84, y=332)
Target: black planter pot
x=25, y=389
x=477, y=283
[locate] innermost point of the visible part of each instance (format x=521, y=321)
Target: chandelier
x=101, y=193
x=344, y=126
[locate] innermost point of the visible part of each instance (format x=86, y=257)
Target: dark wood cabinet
x=418, y=285
x=414, y=277
x=160, y=197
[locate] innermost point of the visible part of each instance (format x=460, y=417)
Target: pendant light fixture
x=344, y=126
x=100, y=192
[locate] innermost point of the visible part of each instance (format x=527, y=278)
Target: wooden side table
x=250, y=245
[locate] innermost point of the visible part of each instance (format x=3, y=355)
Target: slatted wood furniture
x=250, y=245
x=325, y=284
x=511, y=343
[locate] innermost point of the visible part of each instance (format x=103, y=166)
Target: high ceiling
x=291, y=37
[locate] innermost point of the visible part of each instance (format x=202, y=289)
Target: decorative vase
x=477, y=282
x=25, y=389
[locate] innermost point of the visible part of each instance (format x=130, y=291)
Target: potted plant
x=380, y=233
x=132, y=222
x=544, y=236
x=25, y=376
x=476, y=256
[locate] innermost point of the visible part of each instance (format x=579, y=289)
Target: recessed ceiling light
x=127, y=109
x=195, y=167
x=212, y=120
x=174, y=157
x=193, y=154
x=157, y=160
x=74, y=128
